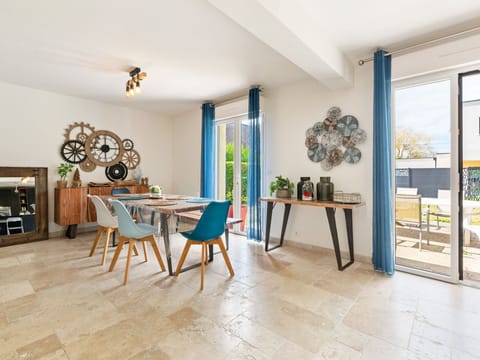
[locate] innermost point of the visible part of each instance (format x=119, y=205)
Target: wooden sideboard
x=73, y=207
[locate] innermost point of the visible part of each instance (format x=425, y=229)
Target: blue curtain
x=383, y=257
x=207, y=176
x=254, y=226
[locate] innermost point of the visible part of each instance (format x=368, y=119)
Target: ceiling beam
x=287, y=28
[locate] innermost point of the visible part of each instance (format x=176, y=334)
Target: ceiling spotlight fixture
x=133, y=85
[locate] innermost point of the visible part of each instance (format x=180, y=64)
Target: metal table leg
x=166, y=239
x=333, y=231
x=286, y=214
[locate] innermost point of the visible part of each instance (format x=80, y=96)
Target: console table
x=330, y=208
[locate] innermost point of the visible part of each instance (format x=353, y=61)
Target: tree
x=411, y=144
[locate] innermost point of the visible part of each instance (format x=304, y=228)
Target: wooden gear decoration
x=73, y=151
x=78, y=131
x=88, y=148
x=131, y=158
x=104, y=148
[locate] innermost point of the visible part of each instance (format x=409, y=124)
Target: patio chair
x=407, y=191
x=443, y=206
x=408, y=213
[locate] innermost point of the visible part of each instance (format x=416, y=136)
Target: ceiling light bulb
x=131, y=92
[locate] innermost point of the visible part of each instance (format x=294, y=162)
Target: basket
x=347, y=198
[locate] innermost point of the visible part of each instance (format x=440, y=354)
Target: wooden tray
x=176, y=197
x=161, y=203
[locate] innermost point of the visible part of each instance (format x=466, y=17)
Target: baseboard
x=80, y=230
x=323, y=250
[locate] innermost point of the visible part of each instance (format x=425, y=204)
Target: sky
x=425, y=108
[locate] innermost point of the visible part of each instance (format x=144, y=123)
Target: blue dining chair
x=120, y=191
x=131, y=232
x=208, y=231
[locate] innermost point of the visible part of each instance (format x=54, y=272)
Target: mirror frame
x=41, y=204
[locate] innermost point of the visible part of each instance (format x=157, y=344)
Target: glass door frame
x=237, y=157
x=460, y=75
x=452, y=76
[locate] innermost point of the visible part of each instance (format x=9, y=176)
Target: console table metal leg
x=286, y=213
x=268, y=225
x=333, y=231
x=166, y=239
x=349, y=223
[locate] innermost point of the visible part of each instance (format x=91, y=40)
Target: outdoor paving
x=435, y=255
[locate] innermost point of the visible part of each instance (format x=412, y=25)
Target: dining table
x=166, y=206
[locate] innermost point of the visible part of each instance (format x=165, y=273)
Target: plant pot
x=283, y=193
x=61, y=184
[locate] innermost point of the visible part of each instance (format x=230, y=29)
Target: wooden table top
x=168, y=204
x=329, y=204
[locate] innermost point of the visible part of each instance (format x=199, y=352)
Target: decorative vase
x=283, y=193
x=61, y=184
x=325, y=189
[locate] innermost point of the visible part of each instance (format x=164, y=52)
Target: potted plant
x=282, y=187
x=63, y=170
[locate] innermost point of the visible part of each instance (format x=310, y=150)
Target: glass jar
x=300, y=187
x=325, y=189
x=307, y=189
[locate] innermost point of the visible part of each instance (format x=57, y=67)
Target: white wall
x=33, y=123
x=187, y=134
x=289, y=112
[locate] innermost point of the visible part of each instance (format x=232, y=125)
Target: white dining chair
x=106, y=223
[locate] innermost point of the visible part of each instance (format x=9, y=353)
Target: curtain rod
x=241, y=97
x=423, y=44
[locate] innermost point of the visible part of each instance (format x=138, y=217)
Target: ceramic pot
x=283, y=193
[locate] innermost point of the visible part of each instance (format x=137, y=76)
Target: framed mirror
x=23, y=205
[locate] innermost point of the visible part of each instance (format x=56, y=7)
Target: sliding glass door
x=425, y=200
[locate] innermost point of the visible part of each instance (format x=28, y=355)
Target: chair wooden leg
x=225, y=255
x=205, y=258
x=127, y=267
x=157, y=253
x=202, y=272
x=145, y=250
x=182, y=258
x=100, y=231
x=105, y=246
x=117, y=253
x=135, y=250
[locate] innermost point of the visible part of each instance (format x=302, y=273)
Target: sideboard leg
x=71, y=231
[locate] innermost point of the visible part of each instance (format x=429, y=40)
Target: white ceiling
x=197, y=50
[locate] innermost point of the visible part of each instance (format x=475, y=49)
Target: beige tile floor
x=292, y=303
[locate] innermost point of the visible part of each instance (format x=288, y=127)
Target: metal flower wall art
x=334, y=140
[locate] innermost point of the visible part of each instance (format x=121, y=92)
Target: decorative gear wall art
x=104, y=148
x=78, y=131
x=89, y=148
x=334, y=140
